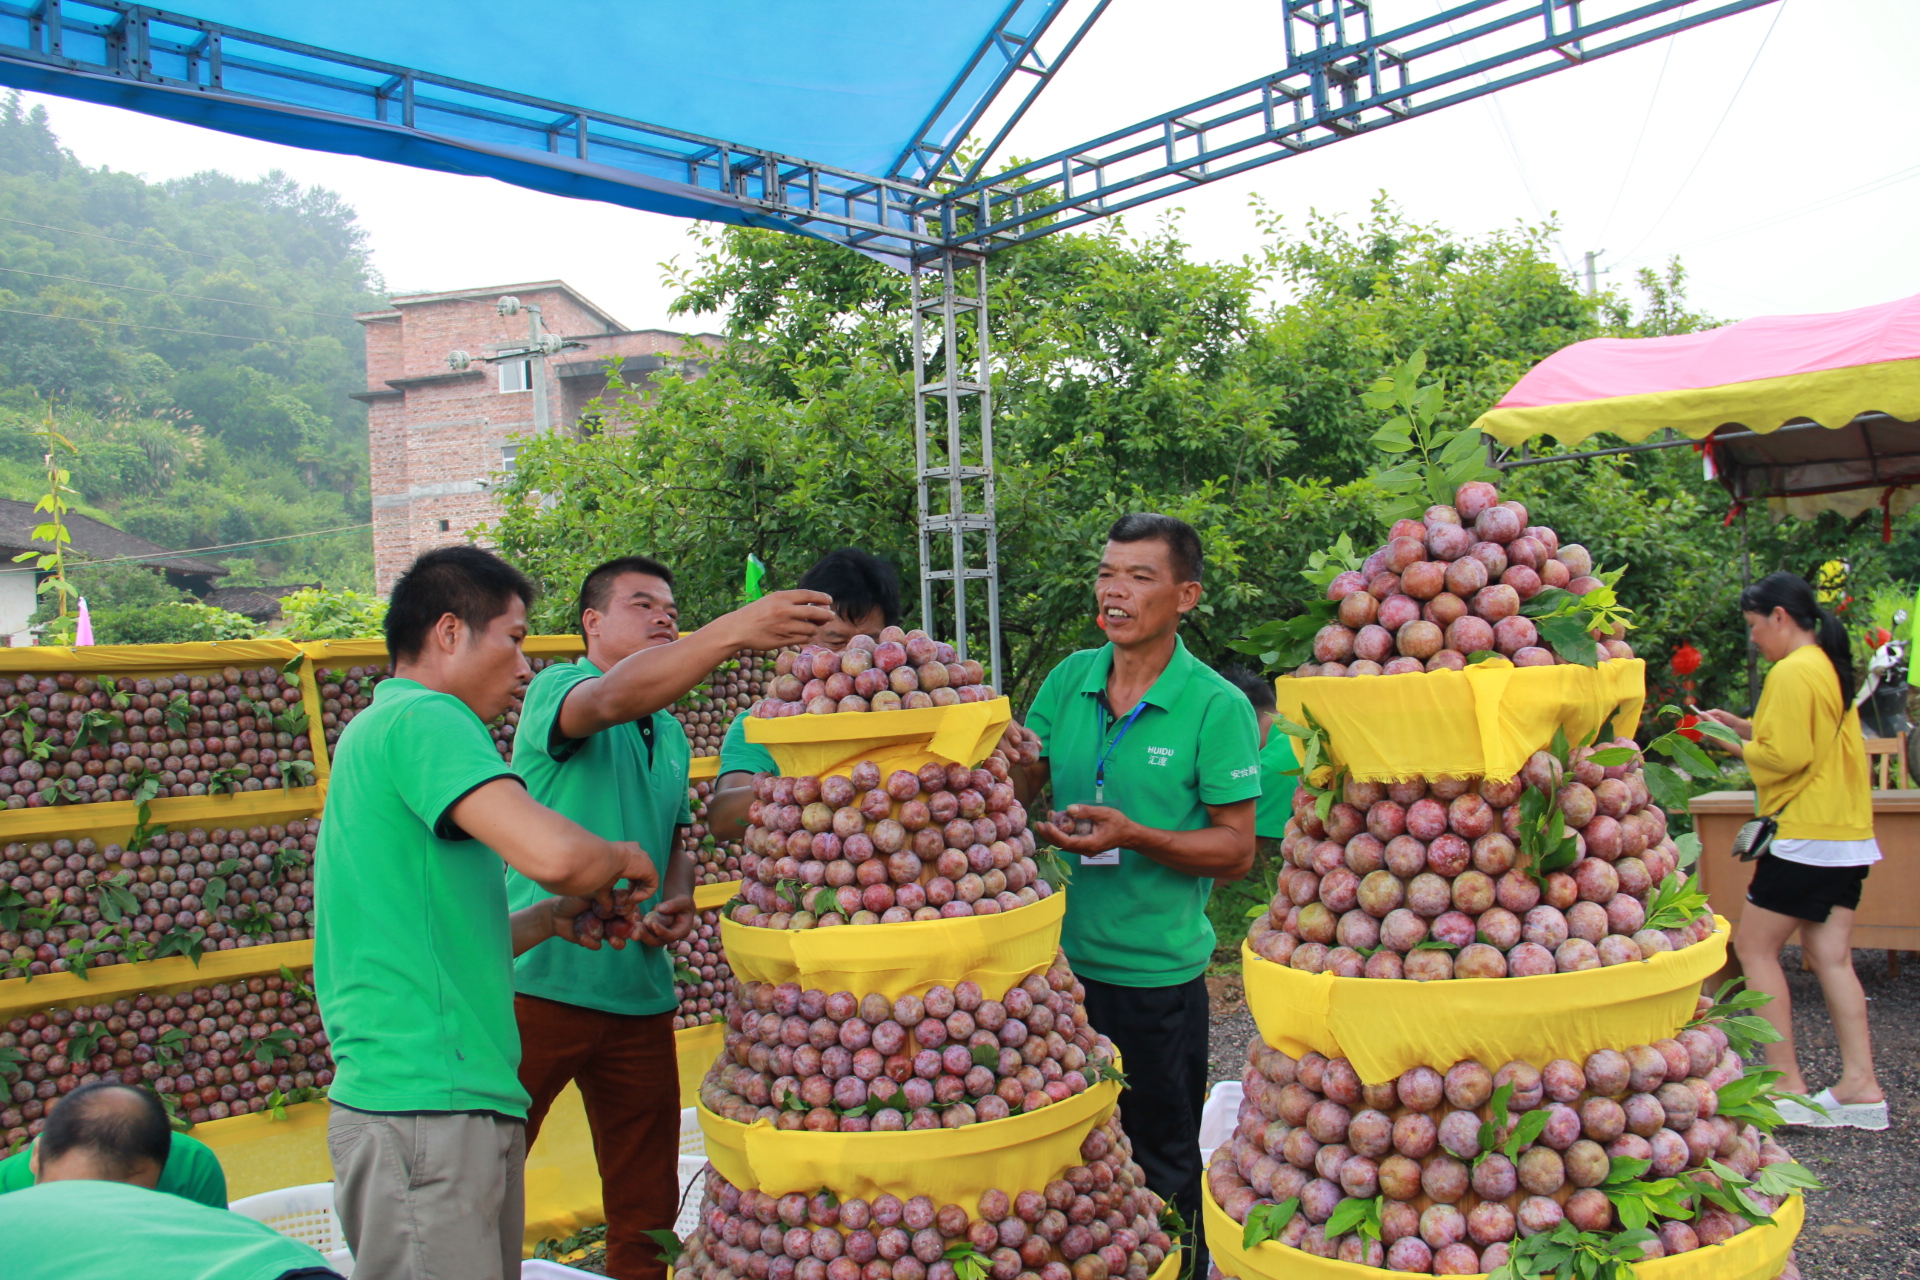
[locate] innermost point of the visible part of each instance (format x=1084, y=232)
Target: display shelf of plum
x=73, y=738
x=1096, y=1221
x=211, y=1052
x=715, y=861
x=707, y=711
x=701, y=976
x=347, y=691
x=77, y=897
x=1425, y=879
x=850, y=1063
x=858, y=849
x=1460, y=1160
x=1451, y=586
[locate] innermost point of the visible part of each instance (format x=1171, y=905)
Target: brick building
x=441, y=439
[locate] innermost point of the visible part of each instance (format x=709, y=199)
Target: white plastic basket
x=1219, y=1116
x=304, y=1213
x=693, y=1162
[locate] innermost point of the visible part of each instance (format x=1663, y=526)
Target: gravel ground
x=1866, y=1224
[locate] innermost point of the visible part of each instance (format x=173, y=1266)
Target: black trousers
x=1161, y=1033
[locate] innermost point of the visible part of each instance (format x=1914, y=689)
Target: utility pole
x=540, y=345
x=1591, y=255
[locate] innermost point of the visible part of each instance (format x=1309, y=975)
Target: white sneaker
x=1853, y=1115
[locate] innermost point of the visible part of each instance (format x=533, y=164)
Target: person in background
x=413, y=953
x=1160, y=758
x=1276, y=758
x=94, y=1211
x=192, y=1171
x=1809, y=766
x=598, y=743
x=865, y=591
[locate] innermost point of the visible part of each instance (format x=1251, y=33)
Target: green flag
x=756, y=575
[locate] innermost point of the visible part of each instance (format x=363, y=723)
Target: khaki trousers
x=430, y=1196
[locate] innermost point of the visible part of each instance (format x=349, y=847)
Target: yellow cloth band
x=815, y=746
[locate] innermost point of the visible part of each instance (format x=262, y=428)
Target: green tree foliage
x=332, y=615
x=176, y=622
x=197, y=340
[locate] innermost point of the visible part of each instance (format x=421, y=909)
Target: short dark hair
x=473, y=585
x=859, y=583
x=1259, y=692
x=597, y=586
x=120, y=1125
x=1183, y=544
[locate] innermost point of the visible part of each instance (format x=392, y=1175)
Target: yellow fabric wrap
x=996, y=951
x=20, y=996
x=1759, y=1253
x=695, y=1048
x=259, y=1153
x=1485, y=720
x=157, y=659
x=1832, y=397
x=953, y=1166
x=815, y=746
x=708, y=896
x=1386, y=1027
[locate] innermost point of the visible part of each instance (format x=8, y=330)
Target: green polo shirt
x=737, y=755
x=193, y=1172
x=82, y=1230
x=412, y=953
x=1276, y=786
x=1138, y=923
x=619, y=787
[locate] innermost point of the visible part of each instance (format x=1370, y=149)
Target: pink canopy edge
x=1763, y=347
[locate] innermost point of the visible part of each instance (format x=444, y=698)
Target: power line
x=1681, y=189
x=1646, y=120
x=192, y=552
x=167, y=293
x=1813, y=206
x=198, y=333
x=138, y=244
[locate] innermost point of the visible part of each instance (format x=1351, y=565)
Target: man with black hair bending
x=414, y=946
x=597, y=742
x=93, y=1212
x=1156, y=761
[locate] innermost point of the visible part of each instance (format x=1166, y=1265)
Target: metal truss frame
x=934, y=213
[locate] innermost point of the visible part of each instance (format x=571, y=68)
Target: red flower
x=1686, y=729
x=1686, y=659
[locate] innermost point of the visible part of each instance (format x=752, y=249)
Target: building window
x=446, y=526
x=509, y=455
x=516, y=375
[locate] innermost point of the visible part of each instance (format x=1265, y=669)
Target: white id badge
x=1105, y=858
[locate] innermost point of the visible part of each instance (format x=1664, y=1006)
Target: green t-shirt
x=193, y=1172
x=1195, y=742
x=617, y=785
x=737, y=755
x=412, y=953
x=1276, y=787
x=80, y=1230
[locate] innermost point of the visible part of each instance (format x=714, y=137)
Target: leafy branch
x=53, y=530
x=1435, y=461
x=1637, y=1203
x=1567, y=1252
x=1731, y=1011
x=1319, y=776
x=1266, y=1221
x=1288, y=642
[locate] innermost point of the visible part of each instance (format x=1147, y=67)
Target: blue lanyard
x=1100, y=764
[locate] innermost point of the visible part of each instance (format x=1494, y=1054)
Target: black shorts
x=1804, y=892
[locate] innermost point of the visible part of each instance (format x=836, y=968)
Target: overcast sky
x=1782, y=194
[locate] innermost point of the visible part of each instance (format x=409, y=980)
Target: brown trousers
x=630, y=1080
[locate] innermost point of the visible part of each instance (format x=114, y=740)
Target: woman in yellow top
x=1809, y=766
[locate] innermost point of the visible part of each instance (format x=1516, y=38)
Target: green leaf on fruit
x=985, y=1055
x=1570, y=638
x=1435, y=944
x=1607, y=757
x=968, y=1262
x=1356, y=1215
x=671, y=1246
x=1525, y=1133
x=1676, y=903
x=1789, y=1176
x=1266, y=1221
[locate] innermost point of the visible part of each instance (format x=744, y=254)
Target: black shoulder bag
x=1756, y=838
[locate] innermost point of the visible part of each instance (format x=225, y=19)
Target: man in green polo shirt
x=866, y=601
x=414, y=943
x=98, y=1209
x=1157, y=757
x=597, y=742
x=192, y=1172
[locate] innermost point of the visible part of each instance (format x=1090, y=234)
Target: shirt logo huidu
x=1160, y=756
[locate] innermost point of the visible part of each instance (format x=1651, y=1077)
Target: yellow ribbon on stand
x=1485, y=720
x=815, y=746
x=1385, y=1027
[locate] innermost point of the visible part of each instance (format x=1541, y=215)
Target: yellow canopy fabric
x=1832, y=397
x=1759, y=1253
x=953, y=1166
x=1388, y=1027
x=996, y=951
x=815, y=746
x=1485, y=720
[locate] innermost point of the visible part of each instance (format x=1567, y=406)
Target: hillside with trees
x=194, y=339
